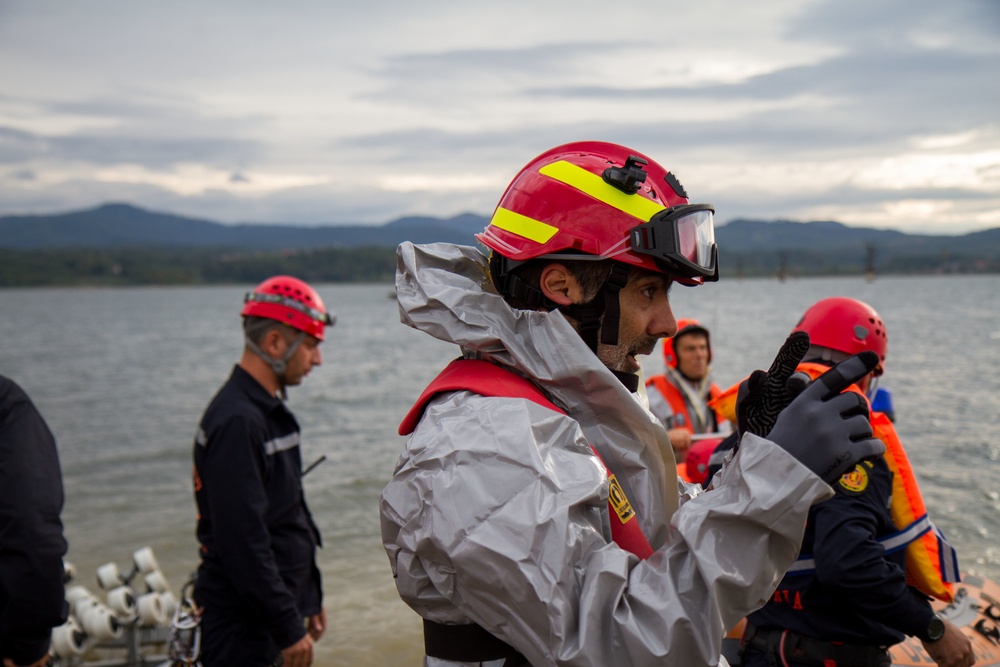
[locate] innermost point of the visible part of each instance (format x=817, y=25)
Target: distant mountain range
x=125, y=226
x=750, y=245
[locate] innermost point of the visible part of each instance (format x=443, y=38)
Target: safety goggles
x=311, y=313
x=683, y=237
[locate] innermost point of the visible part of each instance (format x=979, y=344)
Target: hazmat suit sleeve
x=497, y=514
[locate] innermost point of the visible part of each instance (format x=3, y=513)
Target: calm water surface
x=123, y=375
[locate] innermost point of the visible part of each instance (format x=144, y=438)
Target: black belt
x=806, y=650
x=468, y=643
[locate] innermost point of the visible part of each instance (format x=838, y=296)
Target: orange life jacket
x=931, y=563
x=486, y=379
x=675, y=398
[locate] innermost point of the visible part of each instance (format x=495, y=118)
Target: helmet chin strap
x=279, y=366
x=606, y=304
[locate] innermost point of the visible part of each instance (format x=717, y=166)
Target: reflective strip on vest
x=947, y=559
x=900, y=539
x=891, y=543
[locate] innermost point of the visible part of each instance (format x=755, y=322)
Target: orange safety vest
x=675, y=398
x=931, y=563
x=486, y=379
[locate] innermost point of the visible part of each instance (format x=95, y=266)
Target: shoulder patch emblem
x=856, y=481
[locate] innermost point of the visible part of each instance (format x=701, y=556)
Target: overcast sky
x=874, y=113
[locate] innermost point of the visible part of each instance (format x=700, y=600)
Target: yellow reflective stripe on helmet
x=594, y=185
x=522, y=225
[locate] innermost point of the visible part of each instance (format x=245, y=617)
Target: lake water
x=123, y=375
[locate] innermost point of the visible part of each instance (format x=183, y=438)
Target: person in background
x=684, y=389
x=530, y=518
x=32, y=546
x=258, y=582
x=847, y=600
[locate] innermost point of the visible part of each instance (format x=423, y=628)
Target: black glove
x=826, y=430
x=763, y=395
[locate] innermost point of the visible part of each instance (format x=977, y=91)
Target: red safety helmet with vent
x=604, y=201
x=290, y=301
x=845, y=325
x=684, y=327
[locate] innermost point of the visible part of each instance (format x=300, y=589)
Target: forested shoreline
x=204, y=266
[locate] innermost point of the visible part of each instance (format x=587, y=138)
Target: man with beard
x=679, y=398
x=258, y=584
x=531, y=519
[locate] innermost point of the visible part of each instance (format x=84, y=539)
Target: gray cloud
x=322, y=114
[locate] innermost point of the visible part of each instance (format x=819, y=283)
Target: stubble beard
x=622, y=358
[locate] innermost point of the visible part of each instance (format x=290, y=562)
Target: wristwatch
x=935, y=629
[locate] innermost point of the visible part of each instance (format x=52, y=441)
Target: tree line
x=203, y=266
x=198, y=266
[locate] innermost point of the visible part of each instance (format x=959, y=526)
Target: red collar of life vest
x=486, y=379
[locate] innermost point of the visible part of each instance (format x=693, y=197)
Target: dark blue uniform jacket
x=258, y=577
x=32, y=598
x=858, y=593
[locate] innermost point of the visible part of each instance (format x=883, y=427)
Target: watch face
x=935, y=630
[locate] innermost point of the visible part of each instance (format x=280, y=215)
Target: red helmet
x=290, y=301
x=845, y=325
x=699, y=459
x=684, y=327
x=601, y=199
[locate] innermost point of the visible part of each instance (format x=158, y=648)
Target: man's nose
x=664, y=324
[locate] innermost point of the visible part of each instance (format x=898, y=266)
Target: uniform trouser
x=775, y=648
x=234, y=642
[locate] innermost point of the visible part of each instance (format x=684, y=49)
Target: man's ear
x=559, y=285
x=274, y=343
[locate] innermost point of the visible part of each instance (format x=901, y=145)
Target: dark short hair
x=255, y=328
x=590, y=274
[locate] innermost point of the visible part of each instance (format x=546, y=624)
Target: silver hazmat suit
x=497, y=512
